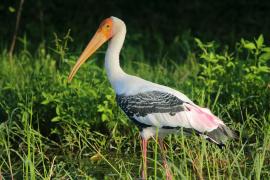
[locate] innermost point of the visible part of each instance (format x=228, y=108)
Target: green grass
x=52, y=129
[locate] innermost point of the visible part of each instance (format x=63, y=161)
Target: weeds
x=51, y=129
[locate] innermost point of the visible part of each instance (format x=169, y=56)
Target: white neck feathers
x=112, y=63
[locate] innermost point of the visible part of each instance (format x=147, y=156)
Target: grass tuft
x=52, y=129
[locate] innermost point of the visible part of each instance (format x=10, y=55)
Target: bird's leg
x=165, y=164
x=144, y=154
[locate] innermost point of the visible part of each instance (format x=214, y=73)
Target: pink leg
x=168, y=172
x=144, y=153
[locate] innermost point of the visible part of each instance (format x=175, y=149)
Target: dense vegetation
x=50, y=128
x=53, y=129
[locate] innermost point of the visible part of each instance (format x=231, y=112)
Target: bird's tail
x=220, y=135
x=213, y=129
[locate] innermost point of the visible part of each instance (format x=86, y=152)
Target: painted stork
x=150, y=106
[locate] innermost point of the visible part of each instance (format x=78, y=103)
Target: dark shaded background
x=223, y=21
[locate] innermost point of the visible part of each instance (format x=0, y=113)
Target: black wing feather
x=149, y=102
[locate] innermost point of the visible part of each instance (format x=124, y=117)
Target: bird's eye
x=107, y=26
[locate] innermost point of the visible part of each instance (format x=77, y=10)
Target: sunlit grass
x=52, y=129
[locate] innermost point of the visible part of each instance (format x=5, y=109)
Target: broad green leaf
x=104, y=117
x=230, y=64
x=265, y=56
x=266, y=49
x=56, y=119
x=199, y=43
x=11, y=9
x=264, y=69
x=57, y=110
x=260, y=41
x=249, y=45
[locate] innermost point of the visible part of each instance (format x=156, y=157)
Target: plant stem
x=13, y=42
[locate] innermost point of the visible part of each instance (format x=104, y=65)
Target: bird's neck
x=112, y=64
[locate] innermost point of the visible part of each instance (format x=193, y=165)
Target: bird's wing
x=162, y=109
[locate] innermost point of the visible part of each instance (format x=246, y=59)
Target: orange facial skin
x=105, y=27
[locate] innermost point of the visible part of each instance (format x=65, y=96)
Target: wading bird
x=150, y=106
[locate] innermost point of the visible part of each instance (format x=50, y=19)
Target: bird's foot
x=168, y=171
x=168, y=175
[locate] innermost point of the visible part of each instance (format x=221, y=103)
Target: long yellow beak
x=98, y=39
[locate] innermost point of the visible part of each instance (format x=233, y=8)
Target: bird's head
x=106, y=30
